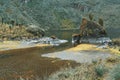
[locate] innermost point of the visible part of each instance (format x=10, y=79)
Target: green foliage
x=67, y=24
x=91, y=16
x=90, y=32
x=101, y=21
x=50, y=13
x=100, y=70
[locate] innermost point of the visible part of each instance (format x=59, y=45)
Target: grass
x=115, y=73
x=116, y=47
x=84, y=72
x=95, y=71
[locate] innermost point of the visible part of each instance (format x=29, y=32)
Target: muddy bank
x=28, y=63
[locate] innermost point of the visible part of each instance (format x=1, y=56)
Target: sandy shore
x=8, y=45
x=83, y=53
x=82, y=47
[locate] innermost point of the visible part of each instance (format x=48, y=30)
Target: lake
x=67, y=34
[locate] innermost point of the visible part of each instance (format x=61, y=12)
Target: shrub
x=101, y=21
x=100, y=70
x=91, y=17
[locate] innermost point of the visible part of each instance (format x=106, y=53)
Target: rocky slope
x=57, y=14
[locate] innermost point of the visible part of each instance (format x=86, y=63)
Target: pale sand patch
x=6, y=45
x=82, y=53
x=9, y=44
x=41, y=45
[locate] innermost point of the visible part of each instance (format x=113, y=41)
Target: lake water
x=67, y=34
x=62, y=34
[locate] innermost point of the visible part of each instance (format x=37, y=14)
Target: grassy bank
x=98, y=70
x=116, y=46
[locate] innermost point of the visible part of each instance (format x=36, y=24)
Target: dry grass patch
x=84, y=47
x=98, y=70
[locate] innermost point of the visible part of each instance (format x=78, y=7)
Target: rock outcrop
x=91, y=29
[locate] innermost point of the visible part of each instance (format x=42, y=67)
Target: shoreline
x=16, y=45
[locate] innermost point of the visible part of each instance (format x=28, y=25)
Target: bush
x=100, y=70
x=101, y=21
x=91, y=17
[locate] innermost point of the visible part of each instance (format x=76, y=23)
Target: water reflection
x=62, y=34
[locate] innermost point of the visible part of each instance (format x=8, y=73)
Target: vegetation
x=101, y=22
x=92, y=29
x=19, y=32
x=115, y=46
x=94, y=71
x=91, y=17
x=100, y=70
x=67, y=24
x=51, y=14
x=115, y=73
x=116, y=42
x=27, y=64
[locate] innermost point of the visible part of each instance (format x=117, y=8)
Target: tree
x=91, y=16
x=101, y=21
x=2, y=20
x=12, y=22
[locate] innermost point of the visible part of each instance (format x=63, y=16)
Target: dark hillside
x=60, y=14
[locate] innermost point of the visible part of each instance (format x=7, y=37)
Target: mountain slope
x=57, y=14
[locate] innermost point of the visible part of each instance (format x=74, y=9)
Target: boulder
x=76, y=39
